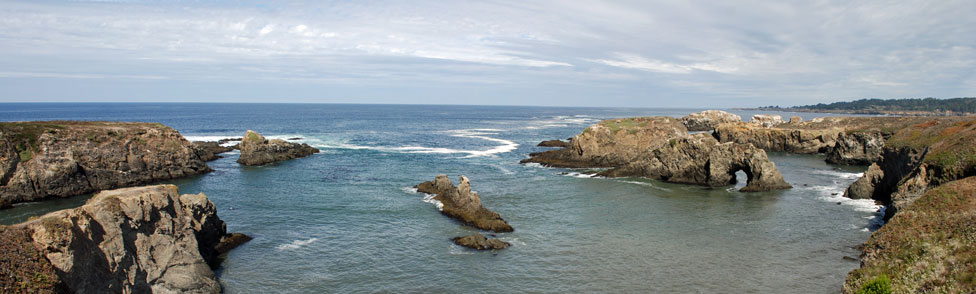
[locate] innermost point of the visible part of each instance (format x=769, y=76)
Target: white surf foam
x=429, y=198
x=647, y=184
x=296, y=244
x=579, y=175
x=483, y=134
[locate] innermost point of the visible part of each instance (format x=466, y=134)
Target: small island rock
x=256, y=150
x=463, y=204
x=480, y=242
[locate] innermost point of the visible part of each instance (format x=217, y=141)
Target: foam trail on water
x=296, y=244
x=506, y=145
x=429, y=198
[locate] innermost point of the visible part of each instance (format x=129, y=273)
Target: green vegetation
x=630, y=124
x=253, y=137
x=22, y=268
x=879, y=285
x=25, y=136
x=875, y=105
x=928, y=247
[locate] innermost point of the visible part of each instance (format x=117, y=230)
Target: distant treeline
x=967, y=105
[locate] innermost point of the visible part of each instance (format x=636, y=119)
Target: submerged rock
x=480, y=242
x=463, y=204
x=256, y=150
x=554, y=143
x=707, y=120
x=68, y=158
x=661, y=148
x=132, y=240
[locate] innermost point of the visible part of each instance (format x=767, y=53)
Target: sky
x=554, y=53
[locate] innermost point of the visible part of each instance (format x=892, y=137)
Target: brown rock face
x=480, y=242
x=256, y=150
x=709, y=119
x=896, y=180
x=463, y=204
x=661, y=148
x=554, y=143
x=133, y=240
x=861, y=148
x=67, y=158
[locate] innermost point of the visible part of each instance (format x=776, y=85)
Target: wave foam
x=296, y=244
x=429, y=198
x=483, y=134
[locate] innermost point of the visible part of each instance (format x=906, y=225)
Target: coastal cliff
x=68, y=158
x=256, y=150
x=928, y=247
x=131, y=240
x=661, y=148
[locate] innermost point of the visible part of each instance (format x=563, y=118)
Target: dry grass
x=928, y=247
x=22, y=267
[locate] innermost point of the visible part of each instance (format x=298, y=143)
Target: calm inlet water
x=347, y=219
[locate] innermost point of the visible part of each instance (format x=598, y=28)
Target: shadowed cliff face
x=67, y=158
x=131, y=240
x=661, y=148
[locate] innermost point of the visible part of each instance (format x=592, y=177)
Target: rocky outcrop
x=707, y=120
x=209, y=151
x=67, y=158
x=661, y=148
x=480, y=242
x=928, y=247
x=132, y=240
x=895, y=181
x=554, y=143
x=766, y=120
x=463, y=204
x=793, y=140
x=256, y=150
x=859, y=148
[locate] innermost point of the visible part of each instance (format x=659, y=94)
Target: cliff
x=661, y=148
x=463, y=204
x=256, y=150
x=131, y=240
x=928, y=247
x=67, y=158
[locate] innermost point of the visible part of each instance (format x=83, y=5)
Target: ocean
x=347, y=220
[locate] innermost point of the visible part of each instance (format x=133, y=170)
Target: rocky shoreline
x=132, y=240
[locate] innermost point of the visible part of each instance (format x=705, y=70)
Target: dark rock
x=554, y=143
x=231, y=241
x=896, y=180
x=860, y=148
x=256, y=150
x=848, y=258
x=295, y=138
x=68, y=158
x=208, y=151
x=480, y=242
x=463, y=204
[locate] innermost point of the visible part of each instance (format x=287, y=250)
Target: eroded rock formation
x=707, y=120
x=67, y=158
x=463, y=204
x=132, y=240
x=209, y=151
x=661, y=148
x=256, y=150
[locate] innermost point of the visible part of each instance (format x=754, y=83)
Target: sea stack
x=256, y=150
x=463, y=204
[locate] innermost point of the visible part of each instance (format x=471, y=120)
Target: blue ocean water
x=346, y=220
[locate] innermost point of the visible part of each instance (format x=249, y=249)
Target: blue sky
x=573, y=53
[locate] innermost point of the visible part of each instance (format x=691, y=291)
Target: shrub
x=879, y=285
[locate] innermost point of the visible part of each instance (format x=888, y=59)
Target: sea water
x=347, y=220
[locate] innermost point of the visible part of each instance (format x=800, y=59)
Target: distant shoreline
x=862, y=111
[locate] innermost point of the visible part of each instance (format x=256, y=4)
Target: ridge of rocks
x=256, y=150
x=463, y=204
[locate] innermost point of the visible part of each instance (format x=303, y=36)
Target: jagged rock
x=133, y=240
x=707, y=120
x=863, y=188
x=766, y=120
x=209, y=151
x=793, y=140
x=256, y=150
x=463, y=204
x=480, y=242
x=554, y=143
x=661, y=148
x=795, y=120
x=860, y=148
x=67, y=158
x=896, y=180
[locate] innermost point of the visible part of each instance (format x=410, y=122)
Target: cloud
x=549, y=52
